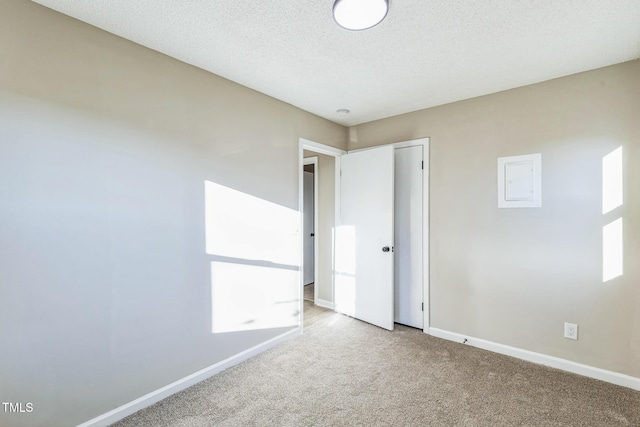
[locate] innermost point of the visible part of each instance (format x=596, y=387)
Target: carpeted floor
x=343, y=372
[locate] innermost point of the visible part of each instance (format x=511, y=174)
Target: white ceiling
x=426, y=53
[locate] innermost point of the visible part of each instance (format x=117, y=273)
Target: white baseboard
x=325, y=304
x=155, y=396
x=541, y=359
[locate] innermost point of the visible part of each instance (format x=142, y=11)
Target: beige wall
x=105, y=147
x=326, y=221
x=514, y=276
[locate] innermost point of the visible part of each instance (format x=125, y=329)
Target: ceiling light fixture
x=343, y=111
x=359, y=14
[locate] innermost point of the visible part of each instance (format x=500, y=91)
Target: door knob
x=385, y=249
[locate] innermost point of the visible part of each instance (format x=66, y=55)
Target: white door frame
x=313, y=161
x=305, y=144
x=424, y=142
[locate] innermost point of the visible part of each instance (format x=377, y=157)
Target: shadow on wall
x=255, y=267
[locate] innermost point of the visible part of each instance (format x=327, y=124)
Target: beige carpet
x=342, y=372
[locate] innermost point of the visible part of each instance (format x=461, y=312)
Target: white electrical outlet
x=571, y=331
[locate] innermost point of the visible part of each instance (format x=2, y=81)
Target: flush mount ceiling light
x=343, y=111
x=359, y=14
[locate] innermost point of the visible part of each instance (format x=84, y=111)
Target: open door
x=364, y=240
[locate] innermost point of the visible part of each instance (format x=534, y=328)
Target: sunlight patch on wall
x=612, y=233
x=612, y=250
x=255, y=272
x=612, y=181
x=248, y=297
x=239, y=225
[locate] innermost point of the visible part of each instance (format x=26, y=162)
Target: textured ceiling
x=426, y=53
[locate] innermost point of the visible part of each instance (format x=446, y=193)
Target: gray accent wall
x=105, y=288
x=514, y=276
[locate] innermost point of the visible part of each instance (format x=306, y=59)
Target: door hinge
x=422, y=306
x=423, y=165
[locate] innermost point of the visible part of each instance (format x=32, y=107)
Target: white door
x=308, y=208
x=364, y=240
x=408, y=236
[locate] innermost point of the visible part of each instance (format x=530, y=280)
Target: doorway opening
x=316, y=278
x=310, y=224
x=400, y=293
